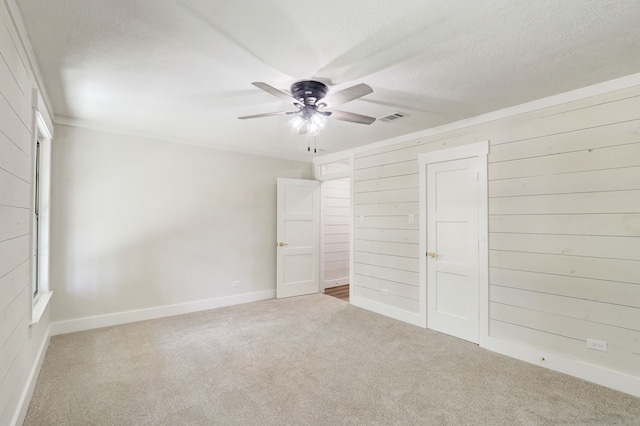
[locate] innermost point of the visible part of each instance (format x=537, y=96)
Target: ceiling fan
x=314, y=105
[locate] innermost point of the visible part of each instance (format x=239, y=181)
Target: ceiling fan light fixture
x=296, y=123
x=316, y=123
x=308, y=123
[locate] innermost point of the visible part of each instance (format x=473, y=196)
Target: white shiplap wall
x=336, y=219
x=19, y=344
x=564, y=227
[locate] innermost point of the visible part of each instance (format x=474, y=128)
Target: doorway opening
x=335, y=222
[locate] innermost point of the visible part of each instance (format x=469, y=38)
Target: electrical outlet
x=237, y=283
x=361, y=218
x=384, y=291
x=412, y=219
x=598, y=345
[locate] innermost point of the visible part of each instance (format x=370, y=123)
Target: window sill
x=39, y=305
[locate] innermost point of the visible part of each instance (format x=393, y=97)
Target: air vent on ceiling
x=396, y=115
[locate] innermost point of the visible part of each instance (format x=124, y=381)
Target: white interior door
x=453, y=247
x=298, y=234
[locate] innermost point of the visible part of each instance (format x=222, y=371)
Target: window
x=40, y=230
x=36, y=222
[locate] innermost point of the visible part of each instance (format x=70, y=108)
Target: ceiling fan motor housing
x=309, y=92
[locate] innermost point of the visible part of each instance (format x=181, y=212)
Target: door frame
x=481, y=151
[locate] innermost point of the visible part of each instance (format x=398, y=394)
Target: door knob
x=432, y=254
x=281, y=244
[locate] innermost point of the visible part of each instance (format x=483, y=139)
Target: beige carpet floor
x=312, y=360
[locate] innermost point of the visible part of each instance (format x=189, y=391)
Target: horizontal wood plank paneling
x=396, y=275
x=13, y=346
x=620, y=351
x=12, y=385
x=11, y=56
x=337, y=229
x=388, y=261
x=384, y=209
x=394, y=288
x=335, y=265
x=338, y=202
x=13, y=282
x=388, y=170
x=336, y=238
x=571, y=266
x=566, y=326
x=388, y=222
x=391, y=196
x=14, y=222
x=336, y=255
x=568, y=224
x=576, y=245
x=337, y=211
x=13, y=160
x=337, y=220
x=14, y=96
x=337, y=247
x=389, y=235
x=390, y=157
x=593, y=202
x=336, y=275
x=18, y=340
x=13, y=253
x=586, y=160
x=579, y=140
x=410, y=144
x=384, y=247
x=563, y=119
x=598, y=312
x=15, y=191
x=385, y=184
x=13, y=127
x=614, y=292
x=11, y=315
x=555, y=343
x=627, y=178
x=390, y=299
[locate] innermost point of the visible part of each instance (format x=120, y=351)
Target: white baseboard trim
x=32, y=379
x=99, y=321
x=386, y=310
x=592, y=373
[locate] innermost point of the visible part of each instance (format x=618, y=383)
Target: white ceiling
x=182, y=70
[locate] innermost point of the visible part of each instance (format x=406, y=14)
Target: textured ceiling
x=182, y=70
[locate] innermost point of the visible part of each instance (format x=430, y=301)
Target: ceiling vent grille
x=391, y=117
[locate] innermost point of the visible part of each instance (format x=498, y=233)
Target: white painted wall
x=335, y=203
x=144, y=224
x=21, y=346
x=564, y=223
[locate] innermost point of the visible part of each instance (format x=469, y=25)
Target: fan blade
x=275, y=92
x=344, y=96
x=352, y=117
x=268, y=114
